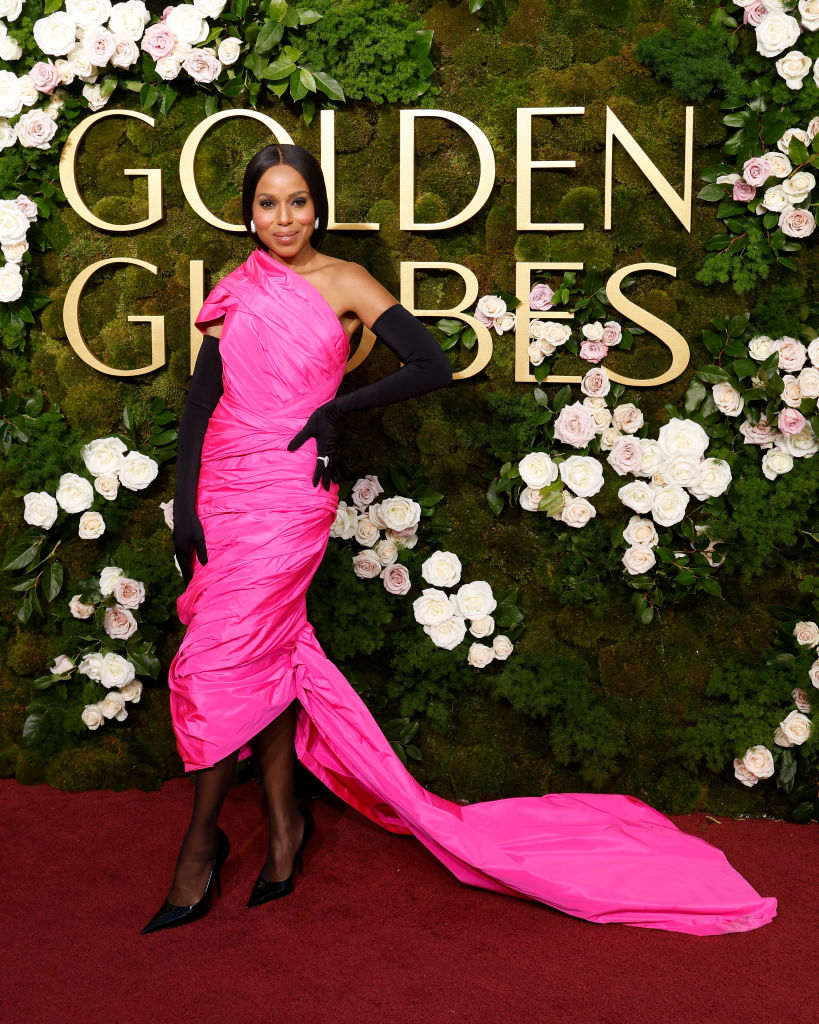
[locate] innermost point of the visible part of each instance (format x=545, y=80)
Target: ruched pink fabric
x=249, y=651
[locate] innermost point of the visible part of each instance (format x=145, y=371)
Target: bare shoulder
x=366, y=295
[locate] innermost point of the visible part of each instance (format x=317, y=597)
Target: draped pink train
x=249, y=650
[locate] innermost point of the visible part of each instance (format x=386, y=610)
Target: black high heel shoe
x=170, y=915
x=263, y=891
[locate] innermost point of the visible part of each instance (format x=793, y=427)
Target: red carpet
x=375, y=931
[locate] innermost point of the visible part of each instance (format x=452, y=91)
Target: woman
x=250, y=530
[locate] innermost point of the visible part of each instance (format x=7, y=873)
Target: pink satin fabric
x=249, y=651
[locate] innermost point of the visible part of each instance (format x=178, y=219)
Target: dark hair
x=307, y=166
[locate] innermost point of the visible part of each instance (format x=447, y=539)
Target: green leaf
x=713, y=374
x=308, y=17
x=694, y=395
x=562, y=398
x=495, y=498
x=52, y=580
x=798, y=151
x=744, y=368
x=327, y=84
x=280, y=68
x=711, y=193
x=270, y=34
x=21, y=554
x=35, y=729
x=541, y=397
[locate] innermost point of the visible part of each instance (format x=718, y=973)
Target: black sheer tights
x=275, y=753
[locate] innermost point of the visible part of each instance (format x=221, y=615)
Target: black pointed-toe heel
x=170, y=915
x=264, y=891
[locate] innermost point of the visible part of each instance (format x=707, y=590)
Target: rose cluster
x=444, y=616
x=106, y=461
x=792, y=436
x=769, y=184
x=364, y=520
x=794, y=729
x=115, y=672
x=777, y=30
x=16, y=217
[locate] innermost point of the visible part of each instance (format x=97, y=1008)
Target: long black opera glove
x=425, y=369
x=205, y=390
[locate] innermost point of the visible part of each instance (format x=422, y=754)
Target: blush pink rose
x=202, y=65
x=761, y=433
x=743, y=192
x=791, y=421
x=574, y=425
x=626, y=455
x=796, y=222
x=754, y=14
x=365, y=491
x=28, y=206
x=593, y=351
x=119, y=623
x=792, y=354
x=756, y=171
x=396, y=578
x=540, y=297
x=612, y=333
x=44, y=77
x=158, y=41
x=165, y=13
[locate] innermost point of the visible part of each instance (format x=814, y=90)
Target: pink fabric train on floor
x=249, y=651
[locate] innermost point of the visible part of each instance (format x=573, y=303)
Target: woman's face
x=283, y=211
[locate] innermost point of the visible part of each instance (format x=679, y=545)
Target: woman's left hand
x=323, y=426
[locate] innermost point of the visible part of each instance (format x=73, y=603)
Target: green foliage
x=694, y=59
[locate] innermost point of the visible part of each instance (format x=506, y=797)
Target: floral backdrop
x=534, y=587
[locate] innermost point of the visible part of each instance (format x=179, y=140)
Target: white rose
x=489, y=307
x=74, y=493
x=482, y=627
x=793, y=67
x=809, y=13
x=798, y=186
x=759, y=760
x=761, y=347
x=82, y=65
x=796, y=727
x=91, y=525
x=727, y=399
x=813, y=673
x=93, y=93
x=447, y=634
x=682, y=437
x=638, y=559
x=137, y=470
x=608, y=438
x=229, y=50
x=62, y=663
x=132, y=691
x=344, y=523
x=113, y=706
x=11, y=283
x=92, y=716
x=92, y=665
x=813, y=352
x=15, y=253
x=637, y=495
x=728, y=179
x=792, y=133
x=743, y=775
x=505, y=322
x=479, y=655
x=116, y=671
x=8, y=133
x=791, y=392
x=813, y=124
x=775, y=33
x=582, y=474
x=595, y=382
x=10, y=49
x=578, y=512
x=799, y=446
x=475, y=600
x=119, y=623
x=35, y=130
x=628, y=418
x=126, y=52
x=66, y=71
x=536, y=353
x=129, y=19
x=366, y=532
x=386, y=551
x=187, y=24
x=108, y=578
x=669, y=505
x=502, y=647
x=792, y=353
x=39, y=509
x=593, y=331
x=80, y=610
x=103, y=455
x=640, y=531
x=433, y=607
x=29, y=93
x=442, y=569
x=88, y=13
x=537, y=470
x=806, y=633
x=167, y=68
x=400, y=513
x=10, y=9
x=403, y=538
x=775, y=463
x=808, y=382
x=682, y=470
x=530, y=499
x=553, y=333
x=715, y=478
x=626, y=455
x=128, y=593
x=55, y=35
x=107, y=484
x=167, y=512
x=209, y=8
x=601, y=417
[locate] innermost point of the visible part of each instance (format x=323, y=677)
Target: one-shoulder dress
x=249, y=651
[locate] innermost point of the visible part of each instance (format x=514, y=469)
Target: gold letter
x=407, y=171
x=72, y=324
x=484, y=353
x=328, y=166
x=68, y=176
x=188, y=156
x=523, y=315
x=681, y=208
x=524, y=170
x=680, y=353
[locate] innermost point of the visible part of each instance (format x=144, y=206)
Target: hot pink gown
x=249, y=650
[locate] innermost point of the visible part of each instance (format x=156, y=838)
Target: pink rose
x=99, y=44
x=396, y=578
x=202, y=65
x=762, y=433
x=756, y=171
x=28, y=207
x=743, y=192
x=366, y=565
x=129, y=593
x=593, y=351
x=165, y=13
x=365, y=490
x=44, y=77
x=790, y=421
x=158, y=41
x=119, y=623
x=792, y=354
x=540, y=297
x=800, y=699
x=626, y=455
x=574, y=425
x=596, y=383
x=35, y=130
x=797, y=223
x=612, y=333
x=754, y=14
